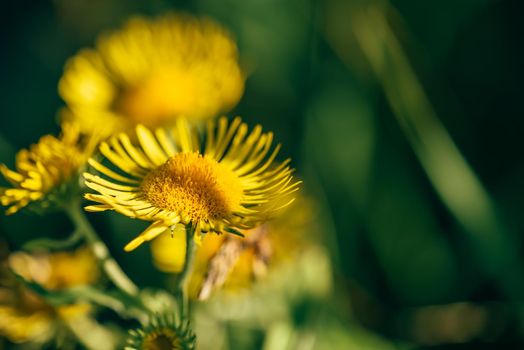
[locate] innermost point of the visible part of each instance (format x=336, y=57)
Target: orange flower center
x=195, y=186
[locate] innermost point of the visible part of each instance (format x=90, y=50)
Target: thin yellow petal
x=223, y=142
x=150, y=146
x=10, y=175
x=108, y=172
x=134, y=152
x=182, y=135
x=98, y=208
x=108, y=184
x=151, y=232
x=165, y=142
x=117, y=160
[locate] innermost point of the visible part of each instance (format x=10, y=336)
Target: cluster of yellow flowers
x=141, y=129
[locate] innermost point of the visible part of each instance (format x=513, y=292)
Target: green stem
x=110, y=266
x=181, y=288
x=55, y=244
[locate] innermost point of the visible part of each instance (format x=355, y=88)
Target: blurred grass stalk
x=363, y=24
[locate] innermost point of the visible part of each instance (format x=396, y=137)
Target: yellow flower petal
x=151, y=232
x=45, y=167
x=150, y=146
x=233, y=185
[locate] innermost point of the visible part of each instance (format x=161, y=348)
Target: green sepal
x=234, y=231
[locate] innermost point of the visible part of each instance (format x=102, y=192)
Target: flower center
x=196, y=186
x=163, y=340
x=60, y=160
x=166, y=93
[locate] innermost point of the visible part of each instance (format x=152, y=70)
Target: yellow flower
x=162, y=332
x=232, y=262
x=43, y=172
x=151, y=72
x=229, y=184
x=26, y=317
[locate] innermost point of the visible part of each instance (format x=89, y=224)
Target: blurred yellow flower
x=229, y=184
x=26, y=317
x=152, y=71
x=45, y=169
x=234, y=262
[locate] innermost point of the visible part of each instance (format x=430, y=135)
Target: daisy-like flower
x=228, y=184
x=152, y=71
x=45, y=171
x=163, y=332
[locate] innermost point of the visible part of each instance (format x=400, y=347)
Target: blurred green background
x=404, y=118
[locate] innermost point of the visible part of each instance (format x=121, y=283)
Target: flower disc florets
x=196, y=185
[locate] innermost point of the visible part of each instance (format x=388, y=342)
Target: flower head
x=163, y=332
x=43, y=172
x=231, y=183
x=152, y=71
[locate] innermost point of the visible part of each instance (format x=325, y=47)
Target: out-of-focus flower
x=298, y=280
x=235, y=262
x=47, y=170
x=218, y=260
x=229, y=184
x=25, y=316
x=163, y=332
x=152, y=71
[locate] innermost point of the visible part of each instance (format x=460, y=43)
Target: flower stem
x=110, y=266
x=181, y=289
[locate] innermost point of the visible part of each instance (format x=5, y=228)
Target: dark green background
x=396, y=246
